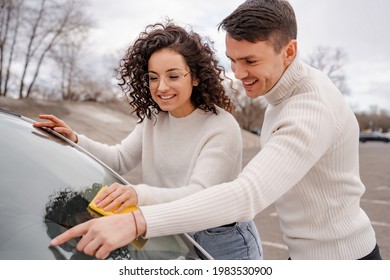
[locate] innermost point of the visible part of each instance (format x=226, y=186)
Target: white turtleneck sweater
x=179, y=156
x=308, y=166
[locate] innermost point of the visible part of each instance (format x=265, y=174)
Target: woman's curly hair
x=199, y=56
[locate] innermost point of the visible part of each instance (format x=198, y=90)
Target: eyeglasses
x=152, y=80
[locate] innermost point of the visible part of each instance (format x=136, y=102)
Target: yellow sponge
x=94, y=207
x=137, y=243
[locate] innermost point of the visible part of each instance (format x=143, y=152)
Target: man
x=308, y=164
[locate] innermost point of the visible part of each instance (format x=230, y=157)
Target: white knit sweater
x=308, y=166
x=179, y=156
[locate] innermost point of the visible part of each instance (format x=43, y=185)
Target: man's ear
x=290, y=51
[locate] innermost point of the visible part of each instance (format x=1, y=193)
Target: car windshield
x=46, y=186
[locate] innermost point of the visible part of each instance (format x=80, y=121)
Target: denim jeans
x=237, y=241
x=374, y=255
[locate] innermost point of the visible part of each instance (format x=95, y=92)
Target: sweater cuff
x=142, y=193
x=155, y=219
x=80, y=139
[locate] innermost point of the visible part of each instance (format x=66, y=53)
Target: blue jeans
x=237, y=241
x=374, y=255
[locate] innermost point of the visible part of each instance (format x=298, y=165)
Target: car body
x=373, y=136
x=46, y=185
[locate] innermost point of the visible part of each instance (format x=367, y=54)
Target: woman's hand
x=117, y=195
x=57, y=125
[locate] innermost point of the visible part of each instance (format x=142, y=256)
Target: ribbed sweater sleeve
x=122, y=157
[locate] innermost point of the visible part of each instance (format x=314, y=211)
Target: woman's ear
x=195, y=82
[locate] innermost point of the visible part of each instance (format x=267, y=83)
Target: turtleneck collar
x=285, y=86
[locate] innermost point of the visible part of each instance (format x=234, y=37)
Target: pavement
x=111, y=122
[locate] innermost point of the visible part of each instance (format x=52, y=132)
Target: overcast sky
x=359, y=27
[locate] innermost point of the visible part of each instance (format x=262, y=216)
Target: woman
x=186, y=135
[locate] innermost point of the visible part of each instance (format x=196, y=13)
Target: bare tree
x=66, y=56
x=330, y=61
x=9, y=27
x=5, y=16
x=16, y=17
x=36, y=23
x=35, y=28
x=61, y=19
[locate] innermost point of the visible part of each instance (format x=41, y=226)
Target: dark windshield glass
x=46, y=185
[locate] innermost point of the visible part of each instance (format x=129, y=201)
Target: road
x=375, y=174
